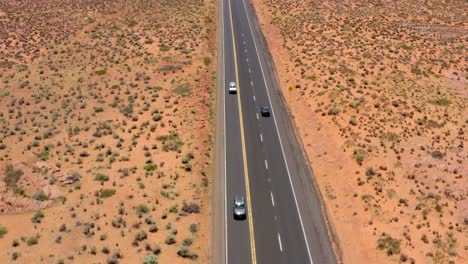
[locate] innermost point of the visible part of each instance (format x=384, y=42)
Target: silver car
x=232, y=88
x=240, y=212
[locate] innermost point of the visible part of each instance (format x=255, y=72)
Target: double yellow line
x=244, y=155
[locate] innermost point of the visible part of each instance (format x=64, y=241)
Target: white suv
x=232, y=88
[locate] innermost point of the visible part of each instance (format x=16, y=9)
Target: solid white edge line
x=224, y=121
x=272, y=199
x=279, y=242
x=279, y=136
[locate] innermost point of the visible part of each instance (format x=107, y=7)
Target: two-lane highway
x=284, y=223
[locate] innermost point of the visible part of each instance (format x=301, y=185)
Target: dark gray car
x=240, y=211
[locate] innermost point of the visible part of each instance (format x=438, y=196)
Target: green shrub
x=100, y=72
x=170, y=239
x=3, y=231
x=140, y=236
x=44, y=155
x=206, y=61
x=150, y=167
x=150, y=259
x=390, y=244
x=142, y=209
x=12, y=176
x=441, y=102
x=38, y=216
x=105, y=193
x=98, y=109
x=353, y=121
x=185, y=253
x=359, y=155
x=101, y=177
x=132, y=23
x=437, y=154
x=40, y=196
x=183, y=89
x=32, y=241
x=334, y=111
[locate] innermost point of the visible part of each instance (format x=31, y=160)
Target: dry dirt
x=106, y=130
x=378, y=91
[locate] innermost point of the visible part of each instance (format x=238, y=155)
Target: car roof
x=232, y=83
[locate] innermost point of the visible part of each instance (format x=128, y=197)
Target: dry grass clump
x=98, y=129
x=385, y=83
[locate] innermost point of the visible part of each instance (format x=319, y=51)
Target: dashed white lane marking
x=272, y=199
x=244, y=42
x=245, y=50
x=257, y=116
x=249, y=70
x=251, y=83
x=261, y=138
x=266, y=164
x=254, y=97
x=279, y=241
x=247, y=59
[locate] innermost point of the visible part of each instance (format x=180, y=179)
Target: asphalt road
x=260, y=158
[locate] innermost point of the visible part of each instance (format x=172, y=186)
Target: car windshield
x=239, y=205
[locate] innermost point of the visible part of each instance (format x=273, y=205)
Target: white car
x=232, y=88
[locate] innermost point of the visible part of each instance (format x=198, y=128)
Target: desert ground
x=378, y=91
x=106, y=124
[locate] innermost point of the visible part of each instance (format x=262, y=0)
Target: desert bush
x=191, y=208
x=32, y=241
x=153, y=228
x=105, y=193
x=12, y=176
x=185, y=253
x=370, y=172
x=353, y=121
x=38, y=216
x=100, y=72
x=3, y=231
x=390, y=244
x=150, y=167
x=437, y=154
x=183, y=89
x=40, y=196
x=150, y=259
x=142, y=209
x=156, y=250
x=359, y=155
x=334, y=111
x=98, y=109
x=187, y=242
x=140, y=236
x=170, y=239
x=193, y=227
x=101, y=177
x=440, y=102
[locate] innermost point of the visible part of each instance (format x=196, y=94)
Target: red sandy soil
x=120, y=91
x=379, y=101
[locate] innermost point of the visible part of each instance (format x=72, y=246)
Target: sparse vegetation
x=98, y=116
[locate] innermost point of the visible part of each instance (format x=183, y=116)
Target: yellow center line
x=244, y=155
